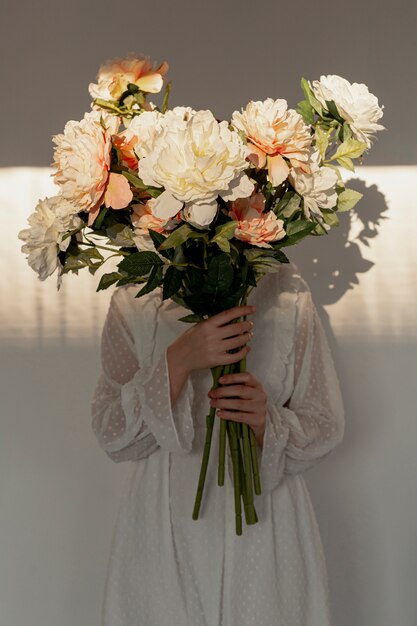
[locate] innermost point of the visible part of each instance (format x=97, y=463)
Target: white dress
x=166, y=568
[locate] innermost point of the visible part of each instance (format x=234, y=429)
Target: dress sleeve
x=131, y=407
x=311, y=423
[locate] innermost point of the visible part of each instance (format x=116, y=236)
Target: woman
x=149, y=407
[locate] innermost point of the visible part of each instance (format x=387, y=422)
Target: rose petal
x=118, y=193
x=152, y=83
x=166, y=206
x=278, y=170
x=200, y=215
x=257, y=156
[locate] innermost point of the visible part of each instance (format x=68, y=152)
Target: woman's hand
x=206, y=344
x=241, y=398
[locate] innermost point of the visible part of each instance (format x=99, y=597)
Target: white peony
x=52, y=218
x=196, y=160
x=354, y=102
x=274, y=132
x=316, y=188
x=146, y=127
x=82, y=160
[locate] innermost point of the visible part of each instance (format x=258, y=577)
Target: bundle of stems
x=242, y=442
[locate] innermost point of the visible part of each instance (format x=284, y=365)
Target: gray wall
x=222, y=54
x=59, y=494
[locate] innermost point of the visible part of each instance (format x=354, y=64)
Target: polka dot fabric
x=164, y=567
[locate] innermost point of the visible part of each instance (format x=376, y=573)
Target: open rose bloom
x=114, y=76
x=255, y=226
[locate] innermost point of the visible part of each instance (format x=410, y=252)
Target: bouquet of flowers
x=197, y=206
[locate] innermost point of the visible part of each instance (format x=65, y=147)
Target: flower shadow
x=331, y=264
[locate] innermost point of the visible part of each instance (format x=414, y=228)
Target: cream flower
x=317, y=188
x=196, y=160
x=82, y=162
x=52, y=218
x=114, y=76
x=354, y=102
x=256, y=227
x=144, y=129
x=274, y=132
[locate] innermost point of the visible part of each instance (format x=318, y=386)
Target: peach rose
x=143, y=220
x=256, y=227
x=125, y=144
x=114, y=76
x=274, y=131
x=82, y=158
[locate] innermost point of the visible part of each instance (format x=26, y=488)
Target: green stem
x=236, y=475
x=250, y=512
x=255, y=467
x=96, y=245
x=222, y=442
x=216, y=373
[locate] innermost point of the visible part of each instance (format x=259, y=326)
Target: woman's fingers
x=230, y=314
x=233, y=329
x=233, y=357
x=236, y=342
x=240, y=378
x=233, y=391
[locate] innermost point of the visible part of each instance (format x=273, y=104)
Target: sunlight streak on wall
x=382, y=303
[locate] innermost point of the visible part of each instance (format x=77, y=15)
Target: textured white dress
x=166, y=568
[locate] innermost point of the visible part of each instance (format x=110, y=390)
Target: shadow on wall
x=331, y=264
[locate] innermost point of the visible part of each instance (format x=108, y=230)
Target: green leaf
x=172, y=282
x=223, y=233
x=322, y=138
x=99, y=220
x=220, y=272
x=333, y=110
x=120, y=235
x=347, y=200
x=263, y=263
x=310, y=97
x=347, y=163
x=330, y=218
x=166, y=97
x=293, y=228
x=351, y=148
x=134, y=180
x=296, y=231
x=223, y=243
x=153, y=282
x=306, y=111
x=292, y=205
x=192, y=319
x=226, y=230
x=177, y=237
x=91, y=257
x=346, y=130
x=128, y=280
x=108, y=279
x=158, y=239
x=140, y=263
